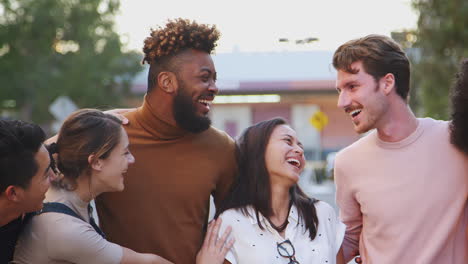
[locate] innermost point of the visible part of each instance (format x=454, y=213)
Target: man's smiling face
x=196, y=91
x=361, y=97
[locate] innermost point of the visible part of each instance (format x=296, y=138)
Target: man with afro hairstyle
x=180, y=159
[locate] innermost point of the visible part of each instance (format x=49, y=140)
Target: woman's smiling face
x=284, y=155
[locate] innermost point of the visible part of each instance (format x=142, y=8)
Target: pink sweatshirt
x=405, y=202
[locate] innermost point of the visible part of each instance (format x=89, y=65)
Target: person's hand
x=119, y=113
x=357, y=257
x=214, y=250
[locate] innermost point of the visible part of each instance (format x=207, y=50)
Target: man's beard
x=372, y=113
x=184, y=110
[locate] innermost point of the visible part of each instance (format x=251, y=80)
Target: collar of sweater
x=156, y=125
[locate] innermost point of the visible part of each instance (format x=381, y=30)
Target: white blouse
x=254, y=245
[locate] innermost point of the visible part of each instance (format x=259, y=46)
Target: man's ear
x=14, y=193
x=167, y=81
x=94, y=162
x=388, y=83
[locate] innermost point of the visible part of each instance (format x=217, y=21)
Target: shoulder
x=83, y=242
x=233, y=216
x=218, y=135
x=131, y=115
x=242, y=226
x=324, y=209
x=434, y=125
x=133, y=123
x=47, y=231
x=65, y=226
x=238, y=221
x=12, y=225
x=215, y=140
x=431, y=121
x=437, y=132
x=357, y=147
x=328, y=218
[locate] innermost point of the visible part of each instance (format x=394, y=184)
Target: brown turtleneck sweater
x=164, y=207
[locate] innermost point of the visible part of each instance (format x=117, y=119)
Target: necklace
x=283, y=226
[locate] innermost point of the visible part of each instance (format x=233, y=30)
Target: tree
x=50, y=48
x=442, y=36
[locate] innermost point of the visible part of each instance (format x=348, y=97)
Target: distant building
x=294, y=85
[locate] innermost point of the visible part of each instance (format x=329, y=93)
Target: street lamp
x=300, y=41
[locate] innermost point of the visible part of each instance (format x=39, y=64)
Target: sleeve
x=228, y=172
x=339, y=229
x=74, y=240
x=349, y=209
x=334, y=228
x=231, y=256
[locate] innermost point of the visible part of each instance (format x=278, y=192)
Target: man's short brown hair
x=379, y=55
x=177, y=36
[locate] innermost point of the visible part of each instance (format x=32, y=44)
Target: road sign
x=318, y=120
x=62, y=107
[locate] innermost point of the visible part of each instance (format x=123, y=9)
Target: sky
x=257, y=25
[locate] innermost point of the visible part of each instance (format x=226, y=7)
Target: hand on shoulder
x=119, y=113
x=214, y=250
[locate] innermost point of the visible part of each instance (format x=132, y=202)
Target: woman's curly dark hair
x=177, y=36
x=459, y=125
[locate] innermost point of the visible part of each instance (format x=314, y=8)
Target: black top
x=9, y=234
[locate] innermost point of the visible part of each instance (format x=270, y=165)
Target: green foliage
x=442, y=37
x=50, y=48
